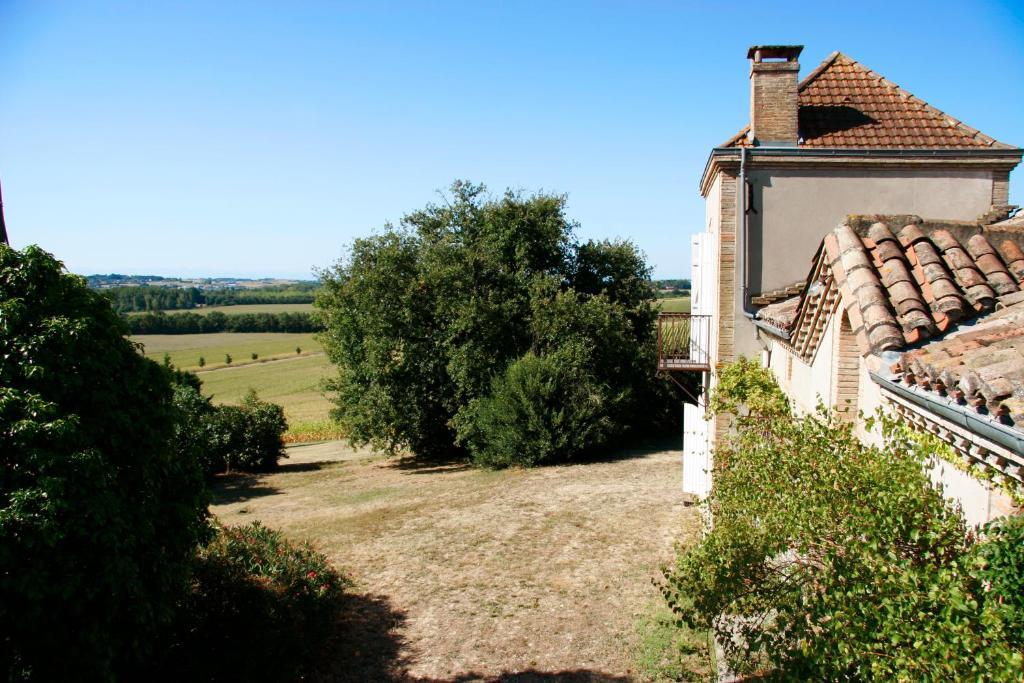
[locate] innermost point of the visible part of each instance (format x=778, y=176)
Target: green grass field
x=679, y=304
x=293, y=384
x=185, y=349
x=243, y=308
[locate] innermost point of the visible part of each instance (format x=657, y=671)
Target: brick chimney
x=773, y=94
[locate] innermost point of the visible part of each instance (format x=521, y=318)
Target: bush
x=829, y=559
x=420, y=320
x=543, y=409
x=252, y=433
x=246, y=437
x=98, y=514
x=259, y=609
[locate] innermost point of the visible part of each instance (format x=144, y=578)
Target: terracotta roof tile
x=844, y=104
x=903, y=281
x=979, y=365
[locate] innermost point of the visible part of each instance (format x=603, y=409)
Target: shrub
x=259, y=609
x=256, y=429
x=98, y=515
x=543, y=409
x=202, y=361
x=829, y=559
x=227, y=359
x=246, y=437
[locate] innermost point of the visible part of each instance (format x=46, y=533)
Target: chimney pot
x=774, y=72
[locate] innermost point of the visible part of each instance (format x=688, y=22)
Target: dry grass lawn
x=465, y=575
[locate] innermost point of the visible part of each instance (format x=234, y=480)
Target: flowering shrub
x=259, y=608
x=829, y=559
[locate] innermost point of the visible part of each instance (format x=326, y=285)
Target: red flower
x=311, y=575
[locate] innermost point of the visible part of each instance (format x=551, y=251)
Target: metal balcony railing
x=683, y=342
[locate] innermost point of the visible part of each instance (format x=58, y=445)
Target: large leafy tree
x=98, y=517
x=423, y=319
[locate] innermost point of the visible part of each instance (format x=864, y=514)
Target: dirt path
x=473, y=575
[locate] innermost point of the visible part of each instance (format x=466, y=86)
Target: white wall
x=806, y=383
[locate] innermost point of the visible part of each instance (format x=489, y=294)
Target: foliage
x=259, y=609
x=746, y=387
x=247, y=437
x=543, y=409
x=154, y=298
x=195, y=323
x=252, y=433
x=436, y=325
x=98, y=517
x=829, y=559
x=1002, y=570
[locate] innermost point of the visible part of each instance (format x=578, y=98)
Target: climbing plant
x=831, y=559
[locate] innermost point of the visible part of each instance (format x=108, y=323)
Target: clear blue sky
x=250, y=139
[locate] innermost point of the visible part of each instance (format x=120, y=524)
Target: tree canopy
x=480, y=299
x=98, y=514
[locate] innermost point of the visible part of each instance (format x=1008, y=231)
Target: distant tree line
x=150, y=298
x=194, y=323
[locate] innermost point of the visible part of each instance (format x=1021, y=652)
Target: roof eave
x=1004, y=155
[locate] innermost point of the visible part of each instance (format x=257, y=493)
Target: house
x=840, y=180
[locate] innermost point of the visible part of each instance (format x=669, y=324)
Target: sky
x=258, y=139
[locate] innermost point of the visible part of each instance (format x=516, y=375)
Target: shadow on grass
x=236, y=488
x=287, y=467
x=534, y=676
x=366, y=645
x=413, y=465
x=640, y=448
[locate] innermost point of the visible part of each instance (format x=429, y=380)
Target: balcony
x=684, y=341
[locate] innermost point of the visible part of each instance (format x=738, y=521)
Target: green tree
x=98, y=514
x=227, y=358
x=202, y=361
x=422, y=318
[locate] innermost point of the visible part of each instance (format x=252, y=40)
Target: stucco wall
x=806, y=383
x=796, y=208
x=979, y=501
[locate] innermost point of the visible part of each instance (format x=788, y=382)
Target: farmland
x=186, y=349
x=279, y=374
x=679, y=304
x=293, y=383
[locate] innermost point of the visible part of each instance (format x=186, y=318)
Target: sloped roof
x=903, y=280
x=843, y=104
x=981, y=365
x=949, y=295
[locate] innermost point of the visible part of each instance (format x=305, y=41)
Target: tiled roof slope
x=948, y=295
x=981, y=365
x=842, y=103
x=902, y=280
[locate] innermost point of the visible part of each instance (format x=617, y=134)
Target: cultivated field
x=470, y=575
x=241, y=308
x=185, y=349
x=678, y=304
x=293, y=383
